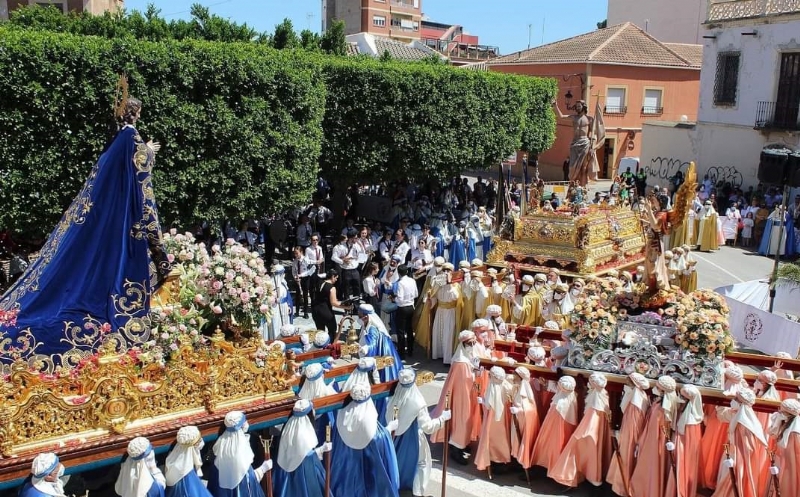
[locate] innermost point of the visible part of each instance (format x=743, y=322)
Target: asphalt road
x=727, y=266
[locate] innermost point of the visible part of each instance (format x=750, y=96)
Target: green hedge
x=240, y=124
x=245, y=129
x=393, y=120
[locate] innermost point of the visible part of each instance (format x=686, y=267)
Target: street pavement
x=727, y=266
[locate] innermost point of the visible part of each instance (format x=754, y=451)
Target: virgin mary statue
x=94, y=275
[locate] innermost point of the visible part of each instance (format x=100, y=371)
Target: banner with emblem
x=757, y=329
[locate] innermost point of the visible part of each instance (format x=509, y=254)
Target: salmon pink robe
x=788, y=458
x=634, y=408
x=557, y=428
x=587, y=455
x=716, y=435
x=466, y=414
x=687, y=445
x=494, y=443
x=528, y=421
x=652, y=469
x=748, y=449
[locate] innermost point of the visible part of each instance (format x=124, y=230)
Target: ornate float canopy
x=598, y=239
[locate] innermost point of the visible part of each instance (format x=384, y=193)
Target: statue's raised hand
x=154, y=146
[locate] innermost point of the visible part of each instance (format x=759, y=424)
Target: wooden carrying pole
x=327, y=463
x=267, y=481
x=445, y=449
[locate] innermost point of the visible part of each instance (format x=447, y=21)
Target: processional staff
x=732, y=472
x=445, y=449
x=267, y=442
x=327, y=462
x=615, y=447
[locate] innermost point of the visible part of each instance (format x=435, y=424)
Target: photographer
x=323, y=303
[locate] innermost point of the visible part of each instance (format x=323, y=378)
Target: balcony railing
x=614, y=110
x=652, y=111
x=458, y=50
x=772, y=115
x=402, y=5
x=727, y=10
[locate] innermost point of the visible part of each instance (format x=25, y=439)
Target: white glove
x=727, y=463
x=392, y=426
x=511, y=337
x=446, y=415
x=480, y=400
x=670, y=446
x=330, y=360
x=773, y=470
x=326, y=447
x=306, y=347
x=304, y=338
x=266, y=466
x=363, y=351
x=514, y=410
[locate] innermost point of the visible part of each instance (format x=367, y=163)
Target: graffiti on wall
x=664, y=168
x=725, y=174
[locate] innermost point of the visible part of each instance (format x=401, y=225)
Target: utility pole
x=530, y=26
x=543, y=19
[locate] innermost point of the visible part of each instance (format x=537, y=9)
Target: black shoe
x=457, y=455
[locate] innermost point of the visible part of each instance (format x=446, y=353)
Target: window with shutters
x=726, y=82
x=788, y=98
x=615, y=101
x=652, y=102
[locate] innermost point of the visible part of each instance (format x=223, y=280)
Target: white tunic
x=445, y=321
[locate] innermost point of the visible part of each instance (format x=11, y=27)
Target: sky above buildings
x=503, y=23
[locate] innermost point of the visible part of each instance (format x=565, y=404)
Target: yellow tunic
x=530, y=313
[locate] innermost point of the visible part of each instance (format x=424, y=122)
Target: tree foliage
x=284, y=36
x=391, y=120
x=149, y=26
x=239, y=123
x=245, y=129
x=333, y=39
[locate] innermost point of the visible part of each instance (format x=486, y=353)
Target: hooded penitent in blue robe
x=406, y=447
x=248, y=487
x=99, y=265
x=307, y=480
x=188, y=486
x=367, y=472
x=788, y=238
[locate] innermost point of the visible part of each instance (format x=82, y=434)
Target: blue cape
x=99, y=265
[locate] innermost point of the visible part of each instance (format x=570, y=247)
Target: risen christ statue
x=582, y=161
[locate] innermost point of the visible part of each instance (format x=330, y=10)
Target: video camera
x=354, y=302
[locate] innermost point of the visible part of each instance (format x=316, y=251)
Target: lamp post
x=568, y=100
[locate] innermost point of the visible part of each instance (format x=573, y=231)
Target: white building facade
x=749, y=94
x=668, y=21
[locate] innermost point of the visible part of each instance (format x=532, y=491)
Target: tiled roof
x=623, y=44
x=352, y=49
x=399, y=50
x=692, y=53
